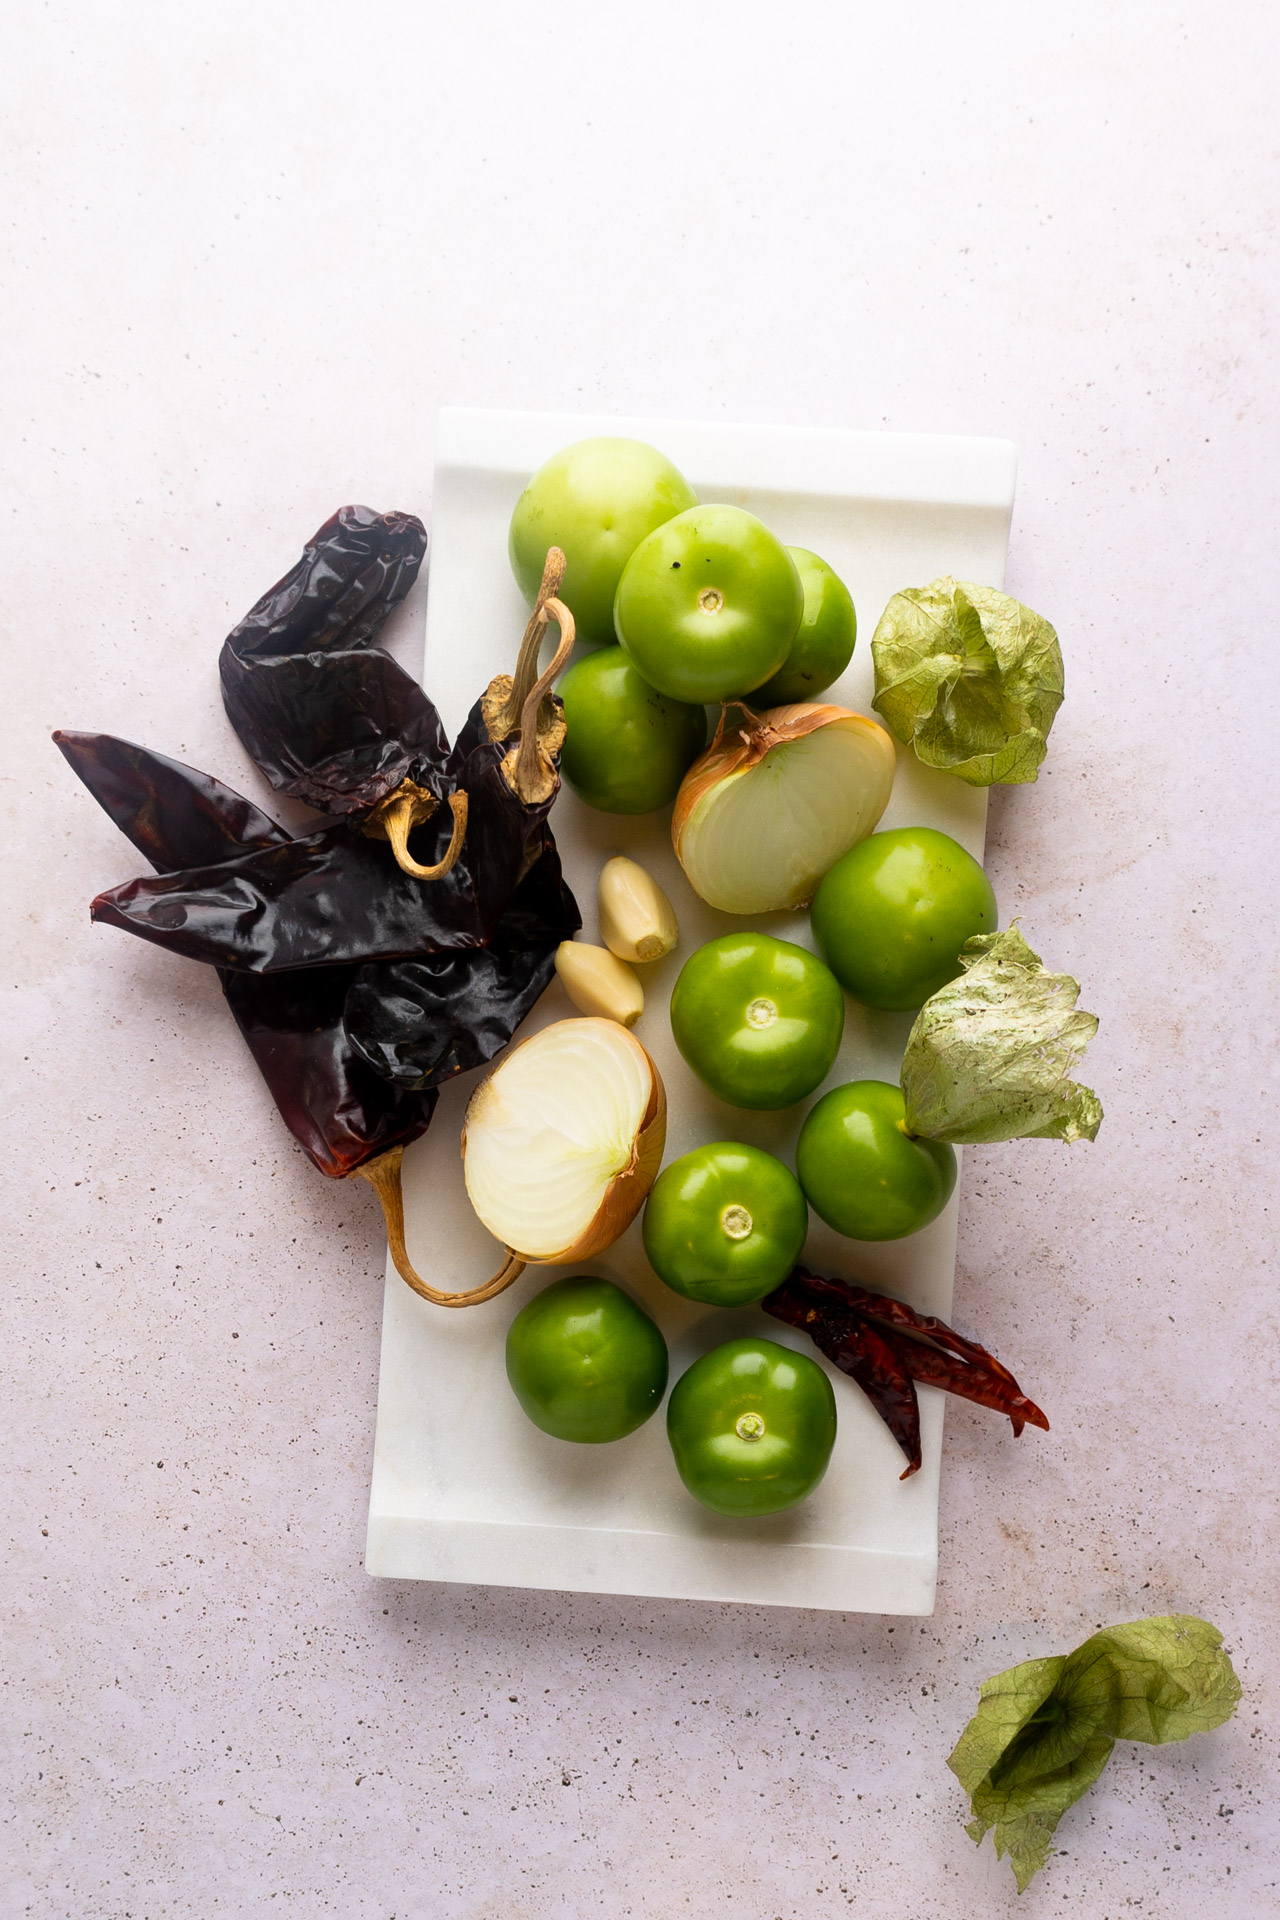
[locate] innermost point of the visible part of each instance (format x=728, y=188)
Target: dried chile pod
x=337, y=896
x=862, y=1352
x=857, y=1329
x=174, y=816
x=993, y=1387
x=339, y=1110
x=931, y=1350
x=421, y=1022
x=348, y=1119
x=329, y=897
x=353, y=571
x=328, y=719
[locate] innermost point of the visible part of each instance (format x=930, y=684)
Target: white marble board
x=464, y=1487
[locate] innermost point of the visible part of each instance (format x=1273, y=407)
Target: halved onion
x=776, y=799
x=564, y=1139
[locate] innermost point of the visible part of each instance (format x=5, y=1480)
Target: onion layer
x=776, y=799
x=564, y=1139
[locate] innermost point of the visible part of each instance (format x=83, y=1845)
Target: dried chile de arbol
x=357, y=890
x=349, y=1117
x=886, y=1346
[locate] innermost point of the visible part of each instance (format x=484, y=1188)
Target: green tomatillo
x=752, y=1425
x=863, y=1172
x=892, y=914
x=709, y=605
x=725, y=1224
x=596, y=500
x=585, y=1362
x=627, y=747
x=823, y=646
x=758, y=1019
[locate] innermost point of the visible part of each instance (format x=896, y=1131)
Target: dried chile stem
x=398, y=822
x=530, y=776
x=383, y=1175
x=527, y=664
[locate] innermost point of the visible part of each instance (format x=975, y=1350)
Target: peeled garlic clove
x=563, y=1140
x=597, y=982
x=636, y=918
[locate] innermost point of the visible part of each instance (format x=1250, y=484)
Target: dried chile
x=348, y=1117
x=329, y=719
x=339, y=894
x=422, y=1022
x=340, y=1111
x=886, y=1347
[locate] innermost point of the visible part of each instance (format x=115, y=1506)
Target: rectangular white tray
x=464, y=1488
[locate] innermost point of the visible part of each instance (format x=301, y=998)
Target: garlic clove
x=637, y=922
x=597, y=982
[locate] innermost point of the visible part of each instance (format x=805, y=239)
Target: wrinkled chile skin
x=338, y=895
x=329, y=720
x=339, y=1110
x=421, y=1022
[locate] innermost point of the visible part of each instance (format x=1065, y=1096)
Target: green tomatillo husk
x=969, y=678
x=990, y=1054
x=1044, y=1730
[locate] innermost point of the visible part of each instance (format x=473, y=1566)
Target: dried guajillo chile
x=886, y=1346
x=355, y=890
x=348, y=1117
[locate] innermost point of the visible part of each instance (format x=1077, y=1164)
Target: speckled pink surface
x=251, y=251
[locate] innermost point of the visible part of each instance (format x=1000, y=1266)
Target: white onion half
x=776, y=799
x=563, y=1140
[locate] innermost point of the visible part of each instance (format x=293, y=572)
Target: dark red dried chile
x=886, y=1346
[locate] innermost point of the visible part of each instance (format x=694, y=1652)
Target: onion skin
x=736, y=749
x=626, y=1192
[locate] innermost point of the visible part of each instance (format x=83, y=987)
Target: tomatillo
x=823, y=646
x=759, y=1020
x=627, y=746
x=751, y=1425
x=725, y=1224
x=863, y=1172
x=596, y=500
x=708, y=605
x=585, y=1362
x=892, y=914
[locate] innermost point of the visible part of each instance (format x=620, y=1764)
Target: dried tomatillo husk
x=989, y=1055
x=422, y=1022
x=329, y=719
x=339, y=1110
x=886, y=1346
x=1045, y=1730
x=969, y=678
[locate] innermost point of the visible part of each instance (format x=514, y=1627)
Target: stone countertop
x=253, y=250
